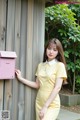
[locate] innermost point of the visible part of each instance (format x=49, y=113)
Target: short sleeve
x=37, y=70
x=61, y=72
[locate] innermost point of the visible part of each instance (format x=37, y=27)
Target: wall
x=21, y=30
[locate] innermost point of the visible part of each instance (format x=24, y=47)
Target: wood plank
x=2, y=43
x=2, y=23
x=29, y=58
x=9, y=45
x=1, y=94
x=22, y=59
x=15, y=84
x=41, y=28
x=10, y=25
x=13, y=44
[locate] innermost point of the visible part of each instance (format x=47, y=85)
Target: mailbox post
x=7, y=64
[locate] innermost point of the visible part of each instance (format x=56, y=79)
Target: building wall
x=22, y=31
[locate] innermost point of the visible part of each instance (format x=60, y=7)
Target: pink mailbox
x=7, y=64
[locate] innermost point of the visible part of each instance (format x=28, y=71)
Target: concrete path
x=67, y=115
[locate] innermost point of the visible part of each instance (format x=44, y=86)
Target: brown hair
x=60, y=56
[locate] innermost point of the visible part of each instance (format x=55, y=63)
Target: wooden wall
x=21, y=30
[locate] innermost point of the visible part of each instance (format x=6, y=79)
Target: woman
x=50, y=75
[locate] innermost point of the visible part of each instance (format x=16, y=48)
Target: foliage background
x=63, y=22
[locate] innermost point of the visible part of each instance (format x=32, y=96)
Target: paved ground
x=67, y=115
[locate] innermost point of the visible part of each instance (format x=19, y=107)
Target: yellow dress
x=47, y=74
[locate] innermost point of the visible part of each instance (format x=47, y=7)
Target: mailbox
x=7, y=64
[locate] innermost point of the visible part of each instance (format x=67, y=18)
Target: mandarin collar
x=52, y=62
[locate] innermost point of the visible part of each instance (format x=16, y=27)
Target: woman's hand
x=18, y=74
x=42, y=112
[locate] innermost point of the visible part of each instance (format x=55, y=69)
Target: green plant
x=61, y=22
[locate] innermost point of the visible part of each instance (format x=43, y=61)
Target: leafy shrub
x=61, y=22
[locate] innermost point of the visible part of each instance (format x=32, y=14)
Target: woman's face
x=51, y=52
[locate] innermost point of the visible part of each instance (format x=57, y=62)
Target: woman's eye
x=49, y=48
x=55, y=49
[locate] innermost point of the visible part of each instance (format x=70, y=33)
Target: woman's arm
x=31, y=84
x=54, y=92
x=52, y=96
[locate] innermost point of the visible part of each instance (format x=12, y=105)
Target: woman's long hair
x=60, y=56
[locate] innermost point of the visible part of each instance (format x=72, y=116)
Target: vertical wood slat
x=1, y=95
x=2, y=24
x=10, y=47
x=7, y=95
x=29, y=58
x=13, y=43
x=10, y=35
x=2, y=43
x=22, y=61
x=35, y=54
x=15, y=90
x=41, y=25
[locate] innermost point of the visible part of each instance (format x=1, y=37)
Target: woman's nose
x=51, y=51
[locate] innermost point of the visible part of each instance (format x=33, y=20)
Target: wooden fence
x=22, y=31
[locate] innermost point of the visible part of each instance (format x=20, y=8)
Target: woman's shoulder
x=60, y=64
x=40, y=64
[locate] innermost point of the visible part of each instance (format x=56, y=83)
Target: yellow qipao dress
x=47, y=72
